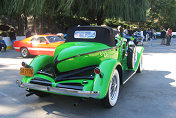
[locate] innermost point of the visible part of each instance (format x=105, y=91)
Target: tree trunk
x=41, y=24
x=35, y=31
x=20, y=21
x=25, y=22
x=100, y=17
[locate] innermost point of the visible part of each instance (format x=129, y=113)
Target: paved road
x=151, y=94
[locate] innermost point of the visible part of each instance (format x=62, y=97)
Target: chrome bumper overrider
x=58, y=90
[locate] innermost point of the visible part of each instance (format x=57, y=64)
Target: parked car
x=38, y=45
x=137, y=36
x=158, y=34
x=92, y=63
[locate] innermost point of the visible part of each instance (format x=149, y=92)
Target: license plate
x=26, y=71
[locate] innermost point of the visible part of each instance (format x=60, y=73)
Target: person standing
x=12, y=35
x=150, y=37
x=142, y=35
x=149, y=34
x=152, y=33
x=168, y=37
x=120, y=30
x=163, y=36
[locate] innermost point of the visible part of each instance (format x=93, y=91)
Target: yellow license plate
x=26, y=71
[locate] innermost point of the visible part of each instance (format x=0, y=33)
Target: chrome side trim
x=16, y=47
x=65, y=91
x=42, y=49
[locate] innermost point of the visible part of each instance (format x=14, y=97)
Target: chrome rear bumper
x=57, y=90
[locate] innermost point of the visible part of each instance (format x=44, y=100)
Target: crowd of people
x=145, y=34
x=166, y=36
x=148, y=34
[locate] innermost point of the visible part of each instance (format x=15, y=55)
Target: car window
x=52, y=39
x=41, y=39
x=34, y=40
x=38, y=40
x=85, y=34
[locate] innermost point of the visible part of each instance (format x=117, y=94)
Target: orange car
x=38, y=45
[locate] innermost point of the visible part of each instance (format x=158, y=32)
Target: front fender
x=41, y=61
x=139, y=50
x=101, y=84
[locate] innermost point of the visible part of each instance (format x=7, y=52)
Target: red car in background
x=38, y=45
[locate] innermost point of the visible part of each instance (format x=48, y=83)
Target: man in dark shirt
x=12, y=35
x=163, y=36
x=144, y=34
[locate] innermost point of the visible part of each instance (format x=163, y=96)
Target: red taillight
x=23, y=64
x=97, y=71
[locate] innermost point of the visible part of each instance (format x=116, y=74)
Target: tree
x=163, y=13
x=92, y=11
x=98, y=10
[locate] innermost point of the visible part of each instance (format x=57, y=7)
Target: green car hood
x=72, y=49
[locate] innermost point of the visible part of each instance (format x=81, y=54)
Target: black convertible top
x=104, y=34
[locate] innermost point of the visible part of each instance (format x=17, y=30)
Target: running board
x=127, y=74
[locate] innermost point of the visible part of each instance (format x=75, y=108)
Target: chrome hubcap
x=24, y=52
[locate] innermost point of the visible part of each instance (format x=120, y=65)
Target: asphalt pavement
x=150, y=94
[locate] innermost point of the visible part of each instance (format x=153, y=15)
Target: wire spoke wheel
x=113, y=91
x=113, y=88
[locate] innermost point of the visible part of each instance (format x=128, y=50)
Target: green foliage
x=92, y=11
x=13, y=7
x=128, y=10
x=163, y=13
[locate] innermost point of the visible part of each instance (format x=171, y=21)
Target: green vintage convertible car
x=92, y=63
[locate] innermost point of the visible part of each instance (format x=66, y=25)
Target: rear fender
x=41, y=61
x=101, y=84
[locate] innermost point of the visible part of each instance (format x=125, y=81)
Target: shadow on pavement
x=148, y=94
x=140, y=97
x=12, y=54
